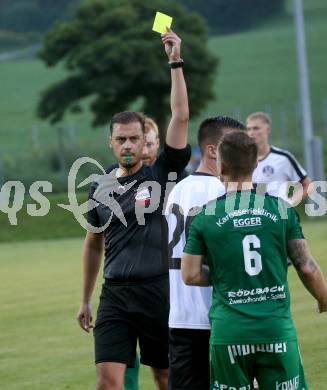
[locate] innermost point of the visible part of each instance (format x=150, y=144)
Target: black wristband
x=177, y=64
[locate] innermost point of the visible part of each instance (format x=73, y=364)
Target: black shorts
x=189, y=359
x=131, y=312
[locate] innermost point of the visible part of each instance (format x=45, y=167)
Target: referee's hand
x=172, y=44
x=84, y=317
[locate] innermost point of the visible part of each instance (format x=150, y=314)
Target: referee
x=134, y=303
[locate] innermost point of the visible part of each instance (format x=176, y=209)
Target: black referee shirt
x=133, y=251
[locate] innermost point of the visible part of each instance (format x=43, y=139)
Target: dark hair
x=239, y=154
x=211, y=130
x=127, y=117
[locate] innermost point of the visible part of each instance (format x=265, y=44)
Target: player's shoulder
x=195, y=190
x=289, y=158
x=214, y=204
x=170, y=155
x=283, y=153
x=278, y=205
x=112, y=167
x=193, y=180
x=275, y=199
x=181, y=186
x=181, y=190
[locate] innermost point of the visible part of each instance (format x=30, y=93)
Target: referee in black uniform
x=134, y=302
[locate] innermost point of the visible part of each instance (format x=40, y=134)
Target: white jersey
x=189, y=305
x=276, y=169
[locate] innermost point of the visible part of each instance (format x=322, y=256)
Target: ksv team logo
x=268, y=170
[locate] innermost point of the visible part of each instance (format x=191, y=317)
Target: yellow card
x=161, y=22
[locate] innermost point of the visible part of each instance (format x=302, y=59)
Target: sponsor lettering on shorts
x=247, y=349
x=221, y=386
x=291, y=384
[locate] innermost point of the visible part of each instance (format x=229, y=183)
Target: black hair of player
x=210, y=130
x=126, y=117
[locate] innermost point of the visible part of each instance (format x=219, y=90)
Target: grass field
x=58, y=223
x=258, y=71
x=41, y=345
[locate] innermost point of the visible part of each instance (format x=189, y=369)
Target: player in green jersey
x=246, y=237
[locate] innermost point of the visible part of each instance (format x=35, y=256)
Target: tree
x=225, y=16
x=114, y=57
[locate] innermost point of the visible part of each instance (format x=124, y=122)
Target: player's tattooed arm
x=308, y=271
x=300, y=256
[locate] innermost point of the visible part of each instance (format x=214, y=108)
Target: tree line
x=222, y=16
x=33, y=15
x=113, y=57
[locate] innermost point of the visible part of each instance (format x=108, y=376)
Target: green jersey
x=244, y=238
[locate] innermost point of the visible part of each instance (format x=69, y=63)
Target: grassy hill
x=258, y=71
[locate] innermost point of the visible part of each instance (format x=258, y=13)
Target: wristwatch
x=176, y=64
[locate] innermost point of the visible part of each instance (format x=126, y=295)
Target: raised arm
x=194, y=272
x=176, y=136
x=308, y=271
x=92, y=254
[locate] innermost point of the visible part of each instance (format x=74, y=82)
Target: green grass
x=311, y=327
x=58, y=223
x=42, y=346
x=258, y=71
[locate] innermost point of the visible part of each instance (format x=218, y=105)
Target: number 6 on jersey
x=252, y=259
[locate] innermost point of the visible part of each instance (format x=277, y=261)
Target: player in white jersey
x=189, y=328
x=276, y=167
